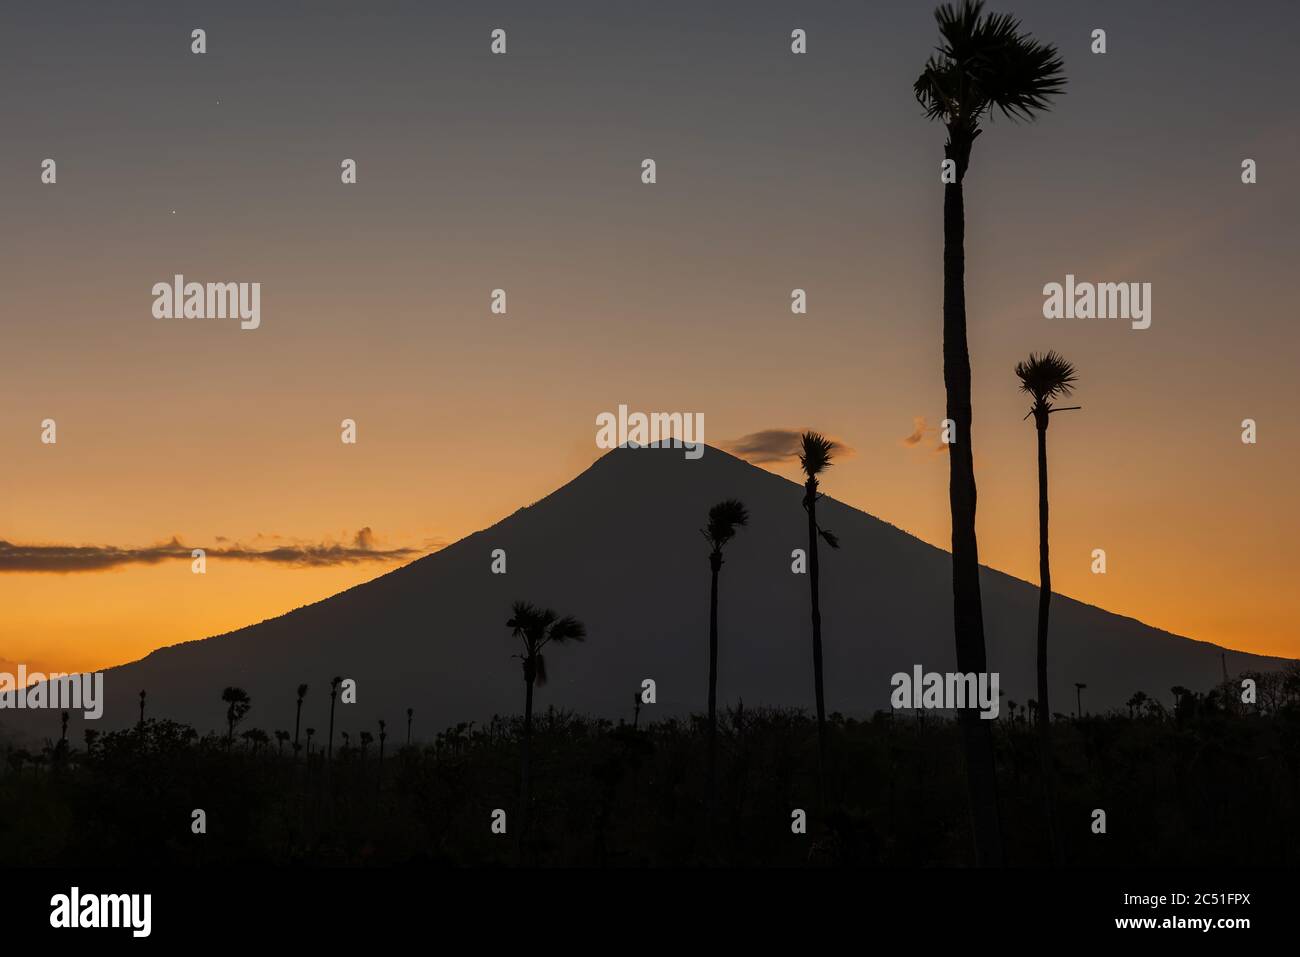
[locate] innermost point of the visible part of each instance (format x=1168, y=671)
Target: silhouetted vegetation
x=1205, y=781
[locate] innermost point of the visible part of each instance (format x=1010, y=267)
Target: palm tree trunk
x=968, y=614
x=297, y=724
x=329, y=753
x=813, y=572
x=1044, y=601
x=525, y=778
x=715, y=563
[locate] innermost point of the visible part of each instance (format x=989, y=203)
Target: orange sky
x=522, y=172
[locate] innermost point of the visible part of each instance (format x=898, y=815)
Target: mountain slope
x=619, y=547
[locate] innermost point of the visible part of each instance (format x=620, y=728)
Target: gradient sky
x=775, y=171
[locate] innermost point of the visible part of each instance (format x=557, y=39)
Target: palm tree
x=237, y=705
x=724, y=519
x=814, y=458
x=1045, y=378
x=281, y=737
x=536, y=628
x=140, y=726
x=334, y=693
x=297, y=721
x=383, y=736
x=366, y=738
x=91, y=736
x=1078, y=695
x=410, y=715
x=983, y=64
x=310, y=733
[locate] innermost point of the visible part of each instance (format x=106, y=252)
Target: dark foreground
x=1198, y=786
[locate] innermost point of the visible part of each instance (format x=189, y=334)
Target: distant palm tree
x=366, y=739
x=334, y=692
x=410, y=715
x=310, y=733
x=536, y=628
x=1136, y=702
x=1078, y=694
x=297, y=721
x=724, y=519
x=63, y=733
x=140, y=726
x=1045, y=378
x=281, y=737
x=237, y=705
x=383, y=736
x=983, y=64
x=815, y=454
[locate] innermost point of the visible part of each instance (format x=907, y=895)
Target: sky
x=775, y=171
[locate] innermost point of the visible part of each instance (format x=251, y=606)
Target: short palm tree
x=280, y=738
x=984, y=64
x=297, y=721
x=310, y=734
x=536, y=628
x=237, y=705
x=815, y=453
x=724, y=519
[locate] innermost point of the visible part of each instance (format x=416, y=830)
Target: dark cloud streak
x=61, y=559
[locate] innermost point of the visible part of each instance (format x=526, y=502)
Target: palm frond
x=565, y=629
x=815, y=453
x=985, y=62
x=724, y=519
x=1046, y=376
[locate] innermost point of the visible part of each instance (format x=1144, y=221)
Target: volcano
x=620, y=548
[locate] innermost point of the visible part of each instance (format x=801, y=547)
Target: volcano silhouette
x=620, y=548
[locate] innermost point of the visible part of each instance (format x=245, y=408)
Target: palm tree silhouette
x=237, y=705
x=334, y=693
x=140, y=726
x=1045, y=378
x=280, y=738
x=383, y=736
x=297, y=721
x=983, y=64
x=310, y=733
x=536, y=628
x=1078, y=695
x=815, y=453
x=724, y=519
x=410, y=715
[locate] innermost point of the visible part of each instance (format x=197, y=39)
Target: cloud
x=94, y=558
x=773, y=445
x=919, y=431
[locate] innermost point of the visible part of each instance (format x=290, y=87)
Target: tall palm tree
x=334, y=693
x=984, y=64
x=1045, y=378
x=724, y=519
x=410, y=716
x=237, y=705
x=297, y=721
x=536, y=628
x=815, y=452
